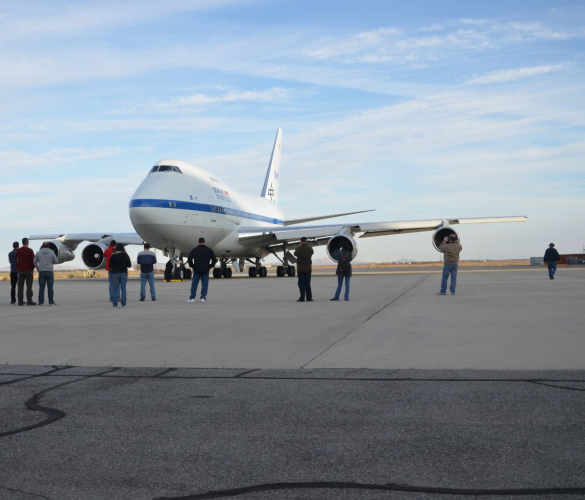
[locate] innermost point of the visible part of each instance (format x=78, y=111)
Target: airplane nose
x=141, y=211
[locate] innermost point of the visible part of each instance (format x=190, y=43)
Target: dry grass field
x=80, y=273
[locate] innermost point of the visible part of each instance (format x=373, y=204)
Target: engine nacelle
x=93, y=255
x=440, y=234
x=335, y=243
x=62, y=251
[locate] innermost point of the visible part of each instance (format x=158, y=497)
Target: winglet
x=271, y=189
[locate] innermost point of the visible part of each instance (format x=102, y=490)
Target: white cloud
x=508, y=75
x=268, y=95
x=58, y=20
x=520, y=32
x=9, y=160
x=472, y=21
x=433, y=27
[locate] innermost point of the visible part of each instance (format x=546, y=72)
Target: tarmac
x=515, y=319
x=396, y=394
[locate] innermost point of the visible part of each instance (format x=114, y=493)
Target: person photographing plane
x=344, y=271
x=201, y=260
x=451, y=248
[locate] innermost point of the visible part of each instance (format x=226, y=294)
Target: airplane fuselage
x=177, y=203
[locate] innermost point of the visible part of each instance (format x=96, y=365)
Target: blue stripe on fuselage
x=202, y=207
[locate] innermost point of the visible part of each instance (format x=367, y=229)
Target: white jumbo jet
x=177, y=203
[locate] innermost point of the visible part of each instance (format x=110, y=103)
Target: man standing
x=45, y=259
x=146, y=259
x=303, y=254
x=201, y=260
x=25, y=265
x=551, y=257
x=451, y=248
x=13, y=272
x=108, y=255
x=120, y=262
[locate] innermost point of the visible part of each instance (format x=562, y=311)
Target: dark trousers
x=13, y=283
x=22, y=277
x=304, y=280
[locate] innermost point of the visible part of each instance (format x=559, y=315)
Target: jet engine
x=93, y=255
x=62, y=251
x=440, y=234
x=335, y=242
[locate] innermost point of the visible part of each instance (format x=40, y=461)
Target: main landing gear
x=223, y=271
x=286, y=269
x=282, y=271
x=257, y=270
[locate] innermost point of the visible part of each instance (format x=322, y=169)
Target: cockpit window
x=166, y=168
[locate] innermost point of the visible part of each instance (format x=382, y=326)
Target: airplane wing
x=271, y=236
x=291, y=222
x=74, y=239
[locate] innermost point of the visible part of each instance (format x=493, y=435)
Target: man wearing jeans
x=201, y=260
x=451, y=248
x=551, y=257
x=146, y=259
x=45, y=260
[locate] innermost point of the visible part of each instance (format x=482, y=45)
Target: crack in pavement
x=564, y=387
x=36, y=495
x=53, y=414
x=375, y=487
x=44, y=374
x=363, y=322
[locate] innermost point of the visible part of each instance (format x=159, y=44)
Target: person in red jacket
x=25, y=265
x=107, y=255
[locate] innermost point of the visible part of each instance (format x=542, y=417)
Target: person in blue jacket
x=146, y=260
x=551, y=257
x=343, y=257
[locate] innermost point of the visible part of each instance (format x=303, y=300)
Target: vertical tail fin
x=271, y=189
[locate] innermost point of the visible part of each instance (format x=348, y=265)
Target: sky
x=417, y=109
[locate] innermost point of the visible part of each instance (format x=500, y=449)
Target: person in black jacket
x=344, y=271
x=120, y=262
x=551, y=257
x=201, y=260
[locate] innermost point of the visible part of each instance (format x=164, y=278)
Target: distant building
x=570, y=259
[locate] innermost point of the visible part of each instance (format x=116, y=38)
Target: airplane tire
x=290, y=270
x=252, y=272
x=216, y=272
x=188, y=274
x=280, y=271
x=263, y=272
x=228, y=272
x=179, y=273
